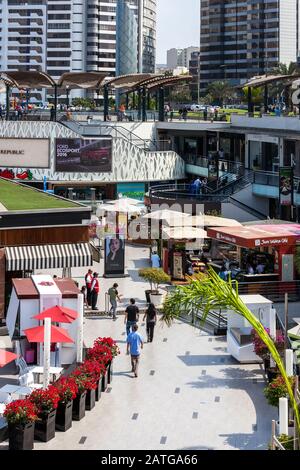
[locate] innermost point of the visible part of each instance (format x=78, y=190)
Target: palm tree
x=208, y=292
x=284, y=69
x=220, y=91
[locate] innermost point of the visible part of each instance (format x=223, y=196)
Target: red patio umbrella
x=58, y=314
x=6, y=357
x=58, y=335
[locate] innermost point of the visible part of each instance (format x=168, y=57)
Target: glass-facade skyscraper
x=240, y=39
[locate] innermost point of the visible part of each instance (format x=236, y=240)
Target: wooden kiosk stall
x=265, y=253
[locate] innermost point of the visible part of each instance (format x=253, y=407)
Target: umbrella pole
x=47, y=340
x=79, y=355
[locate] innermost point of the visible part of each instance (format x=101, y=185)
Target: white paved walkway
x=190, y=394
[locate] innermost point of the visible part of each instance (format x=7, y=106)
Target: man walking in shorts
x=135, y=343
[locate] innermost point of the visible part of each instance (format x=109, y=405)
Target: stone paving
x=190, y=394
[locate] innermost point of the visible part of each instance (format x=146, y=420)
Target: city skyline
x=178, y=30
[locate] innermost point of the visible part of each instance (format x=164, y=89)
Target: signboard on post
x=286, y=186
x=84, y=155
x=114, y=255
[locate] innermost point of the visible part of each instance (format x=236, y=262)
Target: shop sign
x=286, y=186
x=178, y=266
x=227, y=238
x=278, y=241
x=24, y=153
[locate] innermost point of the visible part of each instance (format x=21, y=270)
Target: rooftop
x=18, y=197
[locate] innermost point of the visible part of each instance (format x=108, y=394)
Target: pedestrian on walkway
x=135, y=343
x=88, y=284
x=94, y=291
x=113, y=296
x=151, y=318
x=131, y=316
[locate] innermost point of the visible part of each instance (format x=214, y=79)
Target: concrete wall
x=246, y=196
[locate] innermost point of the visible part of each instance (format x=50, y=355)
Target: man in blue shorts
x=135, y=343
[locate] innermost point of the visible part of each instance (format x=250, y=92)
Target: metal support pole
x=55, y=103
x=286, y=320
x=47, y=341
x=144, y=104
x=7, y=102
x=161, y=106
x=139, y=104
x=133, y=100
x=127, y=101
x=266, y=98
x=27, y=98
x=105, y=96
x=148, y=100
x=250, y=106
x=68, y=100
x=156, y=101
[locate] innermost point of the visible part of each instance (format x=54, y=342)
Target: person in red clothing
x=94, y=291
x=88, y=283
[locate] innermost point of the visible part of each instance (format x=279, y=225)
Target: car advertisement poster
x=286, y=186
x=84, y=155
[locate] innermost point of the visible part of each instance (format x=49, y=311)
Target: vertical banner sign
x=178, y=272
x=115, y=255
x=286, y=186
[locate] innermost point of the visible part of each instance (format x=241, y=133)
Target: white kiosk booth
x=31, y=296
x=239, y=342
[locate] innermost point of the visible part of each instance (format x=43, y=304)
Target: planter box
x=21, y=437
x=64, y=416
x=90, y=399
x=272, y=375
x=78, y=411
x=110, y=372
x=45, y=427
x=104, y=380
x=98, y=390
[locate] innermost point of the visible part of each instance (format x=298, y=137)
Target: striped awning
x=27, y=258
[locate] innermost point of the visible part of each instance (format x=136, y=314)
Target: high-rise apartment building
x=180, y=57
x=240, y=39
x=60, y=36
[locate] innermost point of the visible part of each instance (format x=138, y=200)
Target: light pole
x=198, y=77
x=67, y=92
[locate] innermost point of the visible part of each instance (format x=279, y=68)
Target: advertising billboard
x=84, y=155
x=24, y=153
x=114, y=255
x=286, y=186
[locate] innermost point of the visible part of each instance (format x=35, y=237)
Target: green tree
x=256, y=93
x=220, y=92
x=180, y=94
x=286, y=69
x=209, y=292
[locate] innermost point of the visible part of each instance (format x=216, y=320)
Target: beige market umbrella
x=124, y=200
x=125, y=208
x=206, y=221
x=167, y=217
x=183, y=233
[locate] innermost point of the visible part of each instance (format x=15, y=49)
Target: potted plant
x=93, y=370
x=102, y=353
x=262, y=351
x=114, y=350
x=155, y=276
x=84, y=383
x=67, y=390
x=277, y=389
x=21, y=416
x=46, y=402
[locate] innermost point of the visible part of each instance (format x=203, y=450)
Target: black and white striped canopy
x=27, y=258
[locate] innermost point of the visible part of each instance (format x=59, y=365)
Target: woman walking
x=151, y=317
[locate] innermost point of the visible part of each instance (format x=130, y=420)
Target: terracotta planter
x=110, y=372
x=78, y=411
x=21, y=437
x=98, y=389
x=64, y=416
x=45, y=427
x=104, y=381
x=90, y=399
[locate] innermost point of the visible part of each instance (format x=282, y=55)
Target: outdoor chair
x=27, y=380
x=5, y=398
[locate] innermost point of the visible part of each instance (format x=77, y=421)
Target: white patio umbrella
x=128, y=200
x=206, y=221
x=125, y=208
x=168, y=217
x=183, y=233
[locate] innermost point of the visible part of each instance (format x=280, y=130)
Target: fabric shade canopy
x=207, y=221
x=130, y=80
x=128, y=200
x=183, y=233
x=58, y=314
x=58, y=335
x=28, y=79
x=294, y=333
x=125, y=208
x=83, y=80
x=6, y=357
x=20, y=258
x=167, y=216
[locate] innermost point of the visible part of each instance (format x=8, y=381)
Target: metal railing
x=273, y=290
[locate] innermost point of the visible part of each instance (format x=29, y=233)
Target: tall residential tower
x=243, y=38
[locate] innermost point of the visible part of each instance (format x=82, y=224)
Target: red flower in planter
x=21, y=412
x=67, y=389
x=109, y=342
x=93, y=369
x=83, y=380
x=45, y=400
x=104, y=350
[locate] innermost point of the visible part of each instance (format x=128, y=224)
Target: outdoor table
x=53, y=370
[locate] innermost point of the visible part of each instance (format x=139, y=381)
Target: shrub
x=286, y=441
x=20, y=412
x=155, y=276
x=45, y=400
x=277, y=389
x=66, y=388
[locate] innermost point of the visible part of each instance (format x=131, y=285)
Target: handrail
x=254, y=212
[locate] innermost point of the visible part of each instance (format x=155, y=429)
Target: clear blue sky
x=177, y=25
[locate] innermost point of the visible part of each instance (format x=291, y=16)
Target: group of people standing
x=199, y=186
x=92, y=289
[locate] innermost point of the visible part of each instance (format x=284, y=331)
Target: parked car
x=198, y=107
